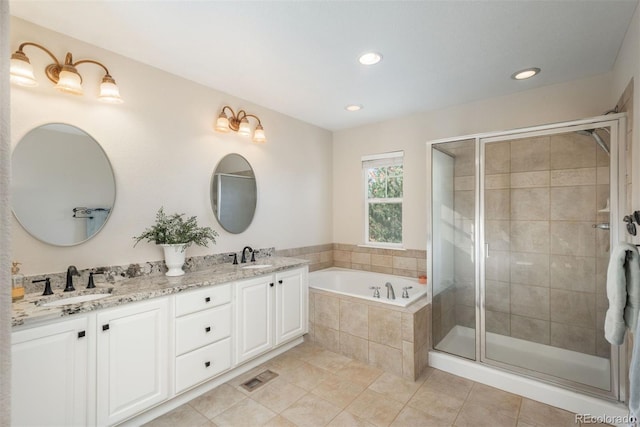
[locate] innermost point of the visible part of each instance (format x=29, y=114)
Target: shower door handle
x=486, y=250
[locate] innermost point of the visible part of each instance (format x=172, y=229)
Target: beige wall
x=163, y=151
x=567, y=101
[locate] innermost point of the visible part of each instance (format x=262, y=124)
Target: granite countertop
x=29, y=310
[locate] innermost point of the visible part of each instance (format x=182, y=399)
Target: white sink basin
x=254, y=266
x=74, y=300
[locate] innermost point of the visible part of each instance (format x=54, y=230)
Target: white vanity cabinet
x=50, y=381
x=202, y=335
x=132, y=359
x=270, y=310
x=254, y=317
x=291, y=304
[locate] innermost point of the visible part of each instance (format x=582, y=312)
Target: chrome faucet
x=243, y=260
x=390, y=291
x=71, y=271
x=405, y=291
x=376, y=291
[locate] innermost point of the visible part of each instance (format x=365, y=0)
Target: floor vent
x=259, y=380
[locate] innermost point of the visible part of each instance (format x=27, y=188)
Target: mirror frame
x=214, y=200
x=113, y=177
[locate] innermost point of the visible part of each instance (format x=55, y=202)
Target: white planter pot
x=174, y=256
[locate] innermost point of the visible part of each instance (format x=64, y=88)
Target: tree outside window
x=383, y=182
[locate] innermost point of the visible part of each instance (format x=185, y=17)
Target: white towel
x=623, y=291
x=96, y=220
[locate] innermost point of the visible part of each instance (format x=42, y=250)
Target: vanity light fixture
x=65, y=76
x=239, y=123
x=527, y=73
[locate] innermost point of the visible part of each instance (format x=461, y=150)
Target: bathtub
x=356, y=283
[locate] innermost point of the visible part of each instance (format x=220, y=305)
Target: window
x=383, y=198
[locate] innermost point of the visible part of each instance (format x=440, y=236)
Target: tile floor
x=316, y=387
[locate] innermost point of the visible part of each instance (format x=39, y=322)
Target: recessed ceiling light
x=353, y=107
x=370, y=58
x=525, y=74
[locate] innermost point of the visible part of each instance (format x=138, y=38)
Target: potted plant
x=175, y=235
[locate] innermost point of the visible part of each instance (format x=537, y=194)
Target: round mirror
x=62, y=184
x=234, y=193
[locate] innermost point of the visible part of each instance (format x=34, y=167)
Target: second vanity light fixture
x=239, y=123
x=65, y=76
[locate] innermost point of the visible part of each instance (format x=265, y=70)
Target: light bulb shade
x=21, y=70
x=259, y=136
x=222, y=123
x=245, y=127
x=69, y=81
x=109, y=91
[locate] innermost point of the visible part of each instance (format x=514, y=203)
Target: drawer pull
x=271, y=284
x=207, y=299
x=280, y=282
x=207, y=364
x=207, y=329
x=81, y=334
x=105, y=327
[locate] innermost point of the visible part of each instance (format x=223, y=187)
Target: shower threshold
x=564, y=364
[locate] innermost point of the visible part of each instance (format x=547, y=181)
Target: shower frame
x=617, y=125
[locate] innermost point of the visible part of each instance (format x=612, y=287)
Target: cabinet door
x=49, y=374
x=133, y=368
x=254, y=299
x=291, y=304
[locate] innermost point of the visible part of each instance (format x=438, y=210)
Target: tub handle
x=405, y=291
x=376, y=291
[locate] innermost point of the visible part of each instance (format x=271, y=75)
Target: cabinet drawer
x=202, y=328
x=202, y=364
x=211, y=296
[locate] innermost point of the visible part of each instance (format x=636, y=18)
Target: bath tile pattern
x=356, y=394
x=409, y=263
x=545, y=274
x=394, y=339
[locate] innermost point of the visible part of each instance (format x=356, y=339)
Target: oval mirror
x=234, y=193
x=62, y=184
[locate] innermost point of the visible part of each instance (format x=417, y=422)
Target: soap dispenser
x=17, y=282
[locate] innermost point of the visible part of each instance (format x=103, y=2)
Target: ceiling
x=300, y=57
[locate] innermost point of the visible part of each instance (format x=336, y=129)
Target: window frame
x=382, y=160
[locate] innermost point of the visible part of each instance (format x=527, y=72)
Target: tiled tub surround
x=395, y=339
x=319, y=256
x=545, y=277
x=26, y=312
x=409, y=263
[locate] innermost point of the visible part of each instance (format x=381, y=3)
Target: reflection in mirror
x=234, y=193
x=62, y=184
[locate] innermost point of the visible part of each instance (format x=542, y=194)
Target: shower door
x=522, y=223
x=547, y=210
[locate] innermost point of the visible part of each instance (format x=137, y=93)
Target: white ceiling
x=300, y=57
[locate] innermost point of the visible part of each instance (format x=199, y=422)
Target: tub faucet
x=390, y=291
x=71, y=271
x=376, y=291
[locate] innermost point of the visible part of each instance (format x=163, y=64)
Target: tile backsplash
x=409, y=263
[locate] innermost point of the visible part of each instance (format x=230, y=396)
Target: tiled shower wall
x=546, y=270
x=547, y=263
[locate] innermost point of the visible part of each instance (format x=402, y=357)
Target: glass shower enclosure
x=521, y=226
